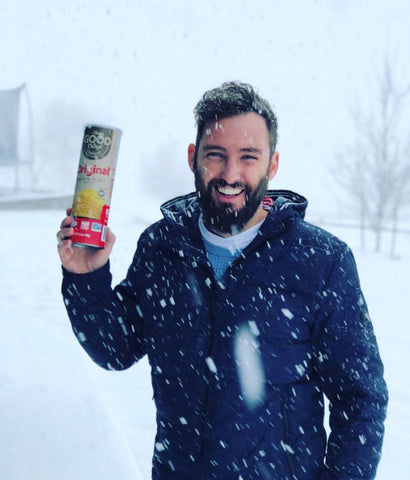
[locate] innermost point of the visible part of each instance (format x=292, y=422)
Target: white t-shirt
x=222, y=251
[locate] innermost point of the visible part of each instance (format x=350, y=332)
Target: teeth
x=230, y=190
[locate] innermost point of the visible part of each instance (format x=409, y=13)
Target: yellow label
x=88, y=204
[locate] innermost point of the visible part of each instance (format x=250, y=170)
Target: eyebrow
x=218, y=147
x=251, y=150
x=213, y=147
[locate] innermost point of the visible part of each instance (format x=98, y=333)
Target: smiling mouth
x=229, y=191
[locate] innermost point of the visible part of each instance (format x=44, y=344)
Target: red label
x=91, y=232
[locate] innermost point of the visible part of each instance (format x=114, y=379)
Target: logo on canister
x=93, y=190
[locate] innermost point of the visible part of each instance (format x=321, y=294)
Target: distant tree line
x=374, y=167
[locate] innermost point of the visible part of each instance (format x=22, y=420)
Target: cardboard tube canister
x=95, y=180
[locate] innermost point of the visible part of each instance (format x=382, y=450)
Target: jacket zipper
x=286, y=437
x=207, y=373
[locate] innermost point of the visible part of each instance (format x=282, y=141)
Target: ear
x=191, y=155
x=274, y=164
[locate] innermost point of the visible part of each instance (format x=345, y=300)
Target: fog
x=143, y=65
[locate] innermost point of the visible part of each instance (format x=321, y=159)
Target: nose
x=231, y=171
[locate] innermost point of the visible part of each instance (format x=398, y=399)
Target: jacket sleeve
x=105, y=321
x=350, y=371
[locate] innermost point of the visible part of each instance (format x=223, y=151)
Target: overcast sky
x=143, y=64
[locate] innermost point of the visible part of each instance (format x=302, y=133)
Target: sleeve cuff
x=86, y=285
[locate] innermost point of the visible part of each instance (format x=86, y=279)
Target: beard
x=223, y=218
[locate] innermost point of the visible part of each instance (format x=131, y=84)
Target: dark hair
x=230, y=99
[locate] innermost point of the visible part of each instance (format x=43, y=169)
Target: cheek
x=254, y=180
x=204, y=170
x=206, y=173
x=259, y=175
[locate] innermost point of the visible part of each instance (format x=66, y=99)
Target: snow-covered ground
x=62, y=417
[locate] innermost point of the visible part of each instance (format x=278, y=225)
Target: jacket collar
x=184, y=211
x=181, y=228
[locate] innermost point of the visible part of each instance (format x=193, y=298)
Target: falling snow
x=287, y=313
x=74, y=409
x=250, y=367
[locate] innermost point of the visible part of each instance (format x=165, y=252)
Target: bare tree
x=350, y=172
x=375, y=167
x=400, y=196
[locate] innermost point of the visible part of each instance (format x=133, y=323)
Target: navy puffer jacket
x=240, y=367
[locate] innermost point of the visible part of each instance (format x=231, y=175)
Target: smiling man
x=249, y=316
x=233, y=165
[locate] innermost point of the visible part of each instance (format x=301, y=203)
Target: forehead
x=249, y=128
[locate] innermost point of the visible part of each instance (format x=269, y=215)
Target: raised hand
x=81, y=259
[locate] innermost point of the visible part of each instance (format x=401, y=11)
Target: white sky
x=145, y=63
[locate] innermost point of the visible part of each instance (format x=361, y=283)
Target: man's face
x=232, y=166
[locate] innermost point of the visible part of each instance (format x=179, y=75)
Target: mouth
x=228, y=191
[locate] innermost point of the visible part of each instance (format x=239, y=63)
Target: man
x=248, y=314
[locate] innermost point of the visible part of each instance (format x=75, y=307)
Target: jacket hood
x=283, y=204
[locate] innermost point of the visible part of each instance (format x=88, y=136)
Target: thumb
x=109, y=240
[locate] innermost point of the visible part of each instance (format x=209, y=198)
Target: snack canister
x=94, y=185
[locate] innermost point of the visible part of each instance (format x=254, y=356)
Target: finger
x=64, y=234
x=110, y=239
x=65, y=250
x=67, y=222
x=60, y=237
x=61, y=240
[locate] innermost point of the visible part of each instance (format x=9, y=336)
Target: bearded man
x=249, y=316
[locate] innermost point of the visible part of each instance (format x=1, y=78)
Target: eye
x=218, y=156
x=249, y=158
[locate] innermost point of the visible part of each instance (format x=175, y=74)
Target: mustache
x=220, y=182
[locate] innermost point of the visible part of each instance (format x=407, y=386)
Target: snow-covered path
x=62, y=417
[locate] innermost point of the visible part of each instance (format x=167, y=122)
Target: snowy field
x=64, y=418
